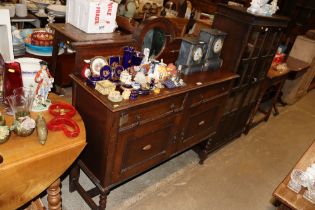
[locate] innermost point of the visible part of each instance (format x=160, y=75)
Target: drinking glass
x=298, y=179
x=309, y=194
x=21, y=101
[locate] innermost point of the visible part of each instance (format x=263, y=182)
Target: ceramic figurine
x=171, y=69
x=125, y=77
x=126, y=94
x=114, y=96
x=262, y=8
x=130, y=8
x=45, y=83
x=273, y=7
x=161, y=68
x=146, y=54
x=140, y=78
x=256, y=6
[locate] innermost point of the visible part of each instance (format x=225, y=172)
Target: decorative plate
x=96, y=65
x=106, y=72
x=118, y=70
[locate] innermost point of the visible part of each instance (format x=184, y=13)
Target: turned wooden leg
x=203, y=153
x=74, y=177
x=54, y=196
x=103, y=200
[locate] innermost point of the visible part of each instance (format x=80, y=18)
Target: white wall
x=6, y=48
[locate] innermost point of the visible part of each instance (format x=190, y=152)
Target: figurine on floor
x=45, y=83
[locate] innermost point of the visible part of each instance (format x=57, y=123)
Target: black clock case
x=209, y=36
x=186, y=51
x=212, y=64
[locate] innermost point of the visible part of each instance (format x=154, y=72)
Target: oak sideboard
x=127, y=138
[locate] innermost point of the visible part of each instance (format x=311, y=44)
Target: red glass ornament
x=62, y=109
x=63, y=124
x=12, y=78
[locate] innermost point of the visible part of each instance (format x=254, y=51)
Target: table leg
x=74, y=177
x=54, y=196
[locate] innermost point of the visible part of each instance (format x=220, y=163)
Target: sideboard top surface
x=193, y=81
x=78, y=35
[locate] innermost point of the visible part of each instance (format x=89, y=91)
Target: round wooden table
x=27, y=168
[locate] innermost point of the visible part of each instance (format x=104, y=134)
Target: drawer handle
x=172, y=107
x=201, y=98
x=182, y=135
x=201, y=123
x=138, y=118
x=1, y=159
x=146, y=148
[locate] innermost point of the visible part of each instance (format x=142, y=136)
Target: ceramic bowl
x=11, y=8
x=58, y=10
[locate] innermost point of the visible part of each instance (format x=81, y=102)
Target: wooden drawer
x=150, y=111
x=143, y=147
x=202, y=121
x=208, y=93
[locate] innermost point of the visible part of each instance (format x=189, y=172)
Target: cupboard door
x=202, y=122
x=145, y=146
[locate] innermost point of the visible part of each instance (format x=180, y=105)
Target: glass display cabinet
x=248, y=50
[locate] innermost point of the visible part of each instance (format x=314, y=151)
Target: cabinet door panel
x=143, y=147
x=202, y=121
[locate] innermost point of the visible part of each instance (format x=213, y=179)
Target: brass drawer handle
x=138, y=118
x=146, y=148
x=172, y=107
x=201, y=98
x=201, y=123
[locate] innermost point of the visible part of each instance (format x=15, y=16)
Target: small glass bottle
x=51, y=19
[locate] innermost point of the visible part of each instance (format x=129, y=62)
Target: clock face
x=197, y=54
x=217, y=45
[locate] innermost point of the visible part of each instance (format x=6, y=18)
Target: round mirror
x=154, y=39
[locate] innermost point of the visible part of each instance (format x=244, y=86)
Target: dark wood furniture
x=132, y=34
x=30, y=18
x=71, y=35
x=130, y=137
x=275, y=80
x=248, y=50
x=290, y=199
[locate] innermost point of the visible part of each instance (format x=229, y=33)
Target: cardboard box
x=92, y=16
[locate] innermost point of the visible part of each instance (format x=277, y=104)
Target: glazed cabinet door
x=143, y=147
